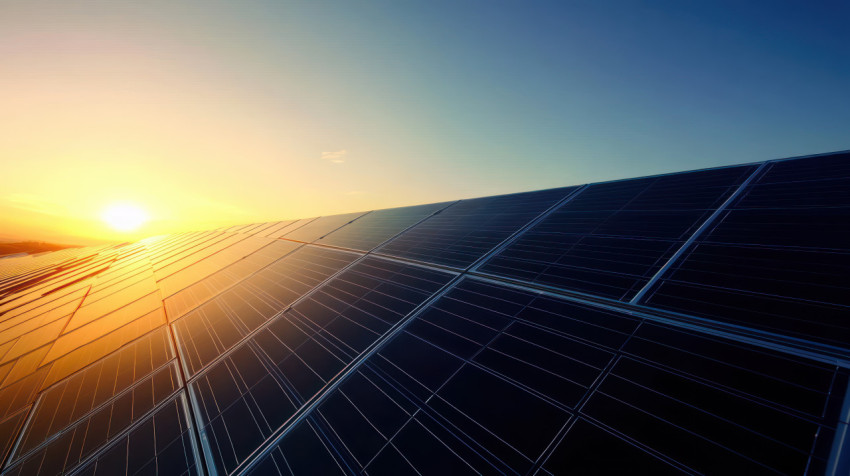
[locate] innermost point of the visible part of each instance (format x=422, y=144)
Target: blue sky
x=263, y=110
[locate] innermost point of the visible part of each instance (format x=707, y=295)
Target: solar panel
x=161, y=444
x=492, y=375
x=267, y=378
x=613, y=237
x=684, y=323
x=777, y=259
x=191, y=297
x=320, y=227
x=464, y=231
x=208, y=331
x=379, y=226
x=93, y=429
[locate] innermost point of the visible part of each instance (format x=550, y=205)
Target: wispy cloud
x=32, y=203
x=336, y=157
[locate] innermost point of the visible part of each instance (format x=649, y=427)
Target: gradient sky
x=213, y=113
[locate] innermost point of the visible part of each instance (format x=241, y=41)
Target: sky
x=206, y=114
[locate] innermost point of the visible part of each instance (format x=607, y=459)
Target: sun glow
x=124, y=217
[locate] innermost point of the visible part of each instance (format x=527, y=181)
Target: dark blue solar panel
x=248, y=395
x=302, y=451
x=490, y=376
x=321, y=226
x=379, y=226
x=95, y=429
x=9, y=428
x=613, y=237
x=778, y=259
x=465, y=231
x=162, y=444
x=588, y=449
x=216, y=326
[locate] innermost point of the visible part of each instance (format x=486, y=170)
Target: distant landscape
x=30, y=247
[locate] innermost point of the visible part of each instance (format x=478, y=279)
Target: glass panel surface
x=495, y=375
x=613, y=237
x=466, y=230
x=250, y=393
x=777, y=260
x=378, y=226
x=321, y=226
x=97, y=428
x=162, y=444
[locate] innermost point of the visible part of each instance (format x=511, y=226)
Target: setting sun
x=124, y=217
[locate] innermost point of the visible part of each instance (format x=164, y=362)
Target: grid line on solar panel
x=199, y=293
x=306, y=452
x=135, y=303
x=73, y=339
x=41, y=307
x=102, y=289
x=750, y=426
x=9, y=428
x=276, y=227
x=204, y=334
x=102, y=346
x=305, y=349
x=777, y=258
x=471, y=360
x=839, y=456
x=579, y=451
x=17, y=326
x=461, y=233
x=286, y=435
x=757, y=398
x=199, y=270
x=161, y=444
x=290, y=226
x=96, y=384
x=199, y=254
x=54, y=284
x=704, y=226
x=377, y=227
x=186, y=247
x=21, y=393
x=612, y=237
x=111, y=420
x=321, y=226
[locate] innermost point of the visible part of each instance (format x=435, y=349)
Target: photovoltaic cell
x=303, y=451
x=77, y=395
x=466, y=230
x=613, y=237
x=778, y=259
x=210, y=330
x=335, y=357
x=162, y=444
x=376, y=227
x=285, y=227
x=558, y=366
x=320, y=227
x=588, y=449
x=95, y=429
x=266, y=379
x=198, y=293
x=9, y=428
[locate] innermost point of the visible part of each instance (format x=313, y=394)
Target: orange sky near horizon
x=102, y=107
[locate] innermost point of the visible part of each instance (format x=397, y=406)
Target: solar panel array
x=686, y=323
